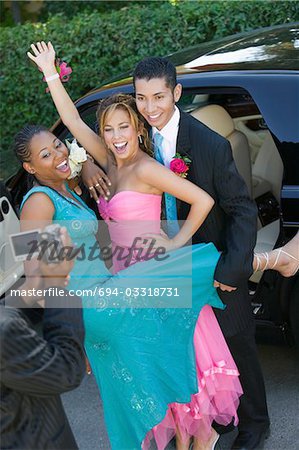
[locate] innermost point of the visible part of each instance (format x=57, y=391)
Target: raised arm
x=44, y=57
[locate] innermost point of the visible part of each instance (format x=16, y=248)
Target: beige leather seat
x=218, y=119
x=267, y=171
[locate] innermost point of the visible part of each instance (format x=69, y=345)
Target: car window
x=233, y=114
x=89, y=117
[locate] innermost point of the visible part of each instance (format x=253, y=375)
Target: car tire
x=294, y=312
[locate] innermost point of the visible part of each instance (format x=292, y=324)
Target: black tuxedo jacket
x=35, y=370
x=231, y=225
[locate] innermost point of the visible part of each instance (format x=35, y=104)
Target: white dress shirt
x=170, y=134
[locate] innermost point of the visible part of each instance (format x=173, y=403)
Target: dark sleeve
x=47, y=365
x=235, y=263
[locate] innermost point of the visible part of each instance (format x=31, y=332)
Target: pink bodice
x=130, y=215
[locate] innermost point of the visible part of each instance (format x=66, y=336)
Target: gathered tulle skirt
x=159, y=364
x=218, y=394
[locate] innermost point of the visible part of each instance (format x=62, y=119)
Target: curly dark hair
x=22, y=148
x=22, y=141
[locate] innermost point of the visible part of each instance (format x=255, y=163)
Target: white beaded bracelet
x=52, y=77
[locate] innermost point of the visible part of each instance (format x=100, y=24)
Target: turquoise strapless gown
x=142, y=358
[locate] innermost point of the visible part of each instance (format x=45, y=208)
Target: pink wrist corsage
x=180, y=165
x=63, y=70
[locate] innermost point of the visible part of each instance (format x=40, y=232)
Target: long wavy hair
x=126, y=103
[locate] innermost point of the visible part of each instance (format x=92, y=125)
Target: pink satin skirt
x=218, y=393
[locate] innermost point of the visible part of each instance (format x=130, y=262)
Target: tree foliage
x=100, y=45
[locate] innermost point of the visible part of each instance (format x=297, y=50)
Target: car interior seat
x=265, y=176
x=218, y=119
x=267, y=170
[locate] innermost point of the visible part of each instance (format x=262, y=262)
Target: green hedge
x=101, y=45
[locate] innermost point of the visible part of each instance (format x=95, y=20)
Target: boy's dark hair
x=156, y=67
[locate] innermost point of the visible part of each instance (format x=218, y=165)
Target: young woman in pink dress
x=138, y=182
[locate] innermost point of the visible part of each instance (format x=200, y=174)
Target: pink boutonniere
x=180, y=165
x=63, y=70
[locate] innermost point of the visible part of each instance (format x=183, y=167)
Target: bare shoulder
x=147, y=166
x=150, y=174
x=38, y=206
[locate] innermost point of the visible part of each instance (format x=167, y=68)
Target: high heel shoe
x=272, y=266
x=281, y=251
x=258, y=257
x=213, y=444
x=210, y=445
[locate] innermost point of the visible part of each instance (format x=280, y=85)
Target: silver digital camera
x=46, y=245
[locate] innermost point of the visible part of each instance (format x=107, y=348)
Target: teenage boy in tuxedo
x=231, y=226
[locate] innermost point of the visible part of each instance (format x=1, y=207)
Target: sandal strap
x=292, y=257
x=258, y=262
x=259, y=258
x=279, y=251
x=288, y=254
x=266, y=256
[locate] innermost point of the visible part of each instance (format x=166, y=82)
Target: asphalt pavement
x=281, y=370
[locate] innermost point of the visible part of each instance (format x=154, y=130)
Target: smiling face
x=120, y=133
x=48, y=158
x=156, y=101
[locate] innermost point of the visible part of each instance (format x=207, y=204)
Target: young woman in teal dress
x=143, y=359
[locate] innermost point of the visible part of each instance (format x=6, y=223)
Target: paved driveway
x=281, y=369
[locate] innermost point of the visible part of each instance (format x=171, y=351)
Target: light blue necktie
x=170, y=200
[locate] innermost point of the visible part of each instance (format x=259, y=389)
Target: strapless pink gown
x=129, y=214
